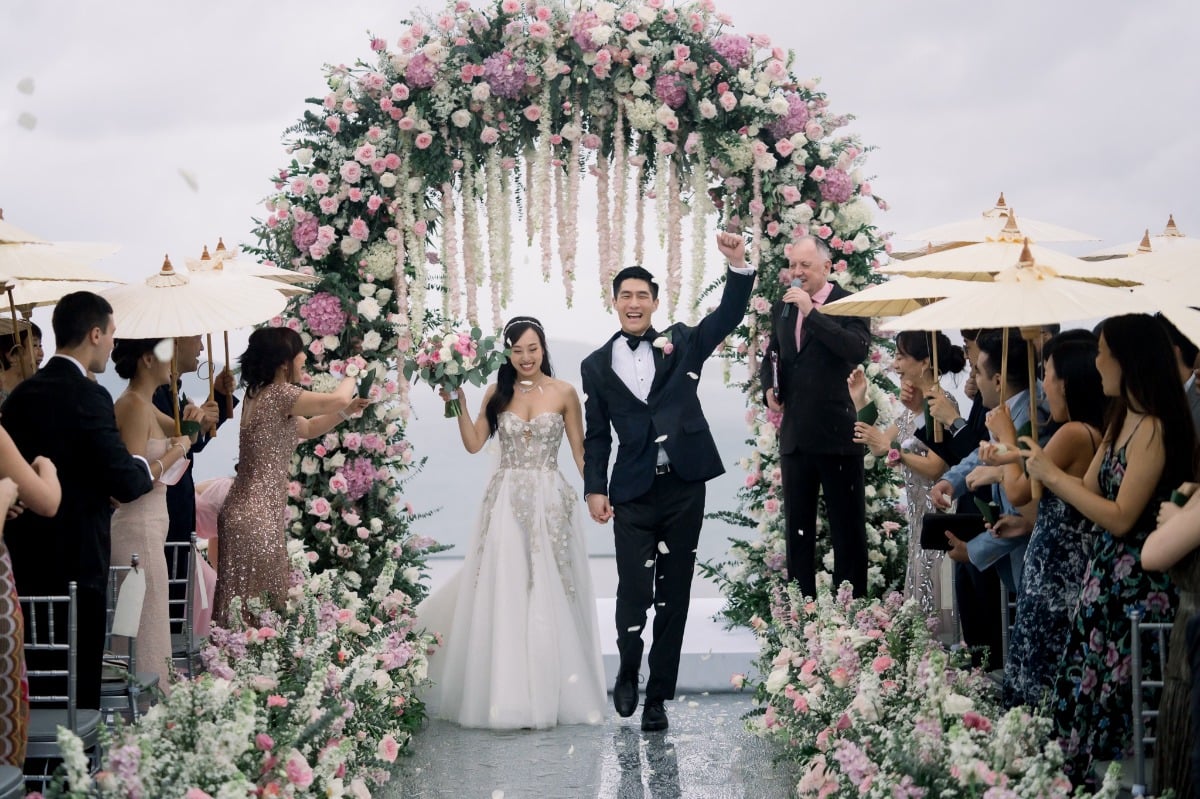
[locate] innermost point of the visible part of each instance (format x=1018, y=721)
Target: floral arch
x=402, y=180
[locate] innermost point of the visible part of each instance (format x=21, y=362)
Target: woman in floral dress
x=1147, y=451
x=1061, y=543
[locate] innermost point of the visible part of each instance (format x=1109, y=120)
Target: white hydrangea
x=852, y=216
x=640, y=114
x=380, y=260
x=324, y=383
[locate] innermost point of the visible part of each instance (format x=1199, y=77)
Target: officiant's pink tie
x=800, y=322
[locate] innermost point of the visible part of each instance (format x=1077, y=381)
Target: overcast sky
x=1084, y=114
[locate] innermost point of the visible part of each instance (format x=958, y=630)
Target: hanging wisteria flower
x=323, y=314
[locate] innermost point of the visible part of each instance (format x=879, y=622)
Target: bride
x=521, y=647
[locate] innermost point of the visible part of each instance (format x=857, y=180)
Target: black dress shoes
x=625, y=694
x=654, y=716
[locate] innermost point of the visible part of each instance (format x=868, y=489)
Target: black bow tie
x=635, y=341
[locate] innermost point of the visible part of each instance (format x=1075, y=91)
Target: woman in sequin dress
x=920, y=460
x=1061, y=542
x=253, y=560
x=140, y=527
x=38, y=491
x=1146, y=452
x=521, y=644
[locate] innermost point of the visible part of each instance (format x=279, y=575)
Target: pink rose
x=299, y=773
x=358, y=229
x=784, y=147
x=813, y=131
x=328, y=205
x=630, y=21
x=387, y=749
x=264, y=742
x=532, y=113
x=510, y=6
x=333, y=124
x=539, y=30
x=407, y=123
x=351, y=172
x=423, y=140
x=728, y=101
x=791, y=195
x=275, y=700
x=489, y=135
x=192, y=793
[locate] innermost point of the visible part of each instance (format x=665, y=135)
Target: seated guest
x=60, y=414
x=1175, y=547
x=1061, y=542
x=1146, y=451
x=34, y=488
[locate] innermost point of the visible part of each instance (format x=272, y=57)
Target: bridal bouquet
x=450, y=359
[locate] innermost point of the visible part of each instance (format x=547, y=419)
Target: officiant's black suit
x=657, y=517
x=816, y=440
x=62, y=415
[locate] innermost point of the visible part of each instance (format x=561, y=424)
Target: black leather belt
x=662, y=468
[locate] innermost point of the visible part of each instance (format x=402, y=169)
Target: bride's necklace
x=525, y=386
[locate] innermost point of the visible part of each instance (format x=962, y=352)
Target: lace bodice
x=530, y=445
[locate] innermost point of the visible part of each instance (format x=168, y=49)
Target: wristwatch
x=956, y=425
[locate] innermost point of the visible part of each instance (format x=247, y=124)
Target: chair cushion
x=12, y=782
x=44, y=724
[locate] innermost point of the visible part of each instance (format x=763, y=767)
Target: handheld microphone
x=787, y=306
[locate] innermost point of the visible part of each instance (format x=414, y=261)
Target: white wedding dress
x=521, y=647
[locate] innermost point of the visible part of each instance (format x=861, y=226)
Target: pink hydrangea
x=360, y=476
x=793, y=121
x=323, y=314
x=581, y=30
x=837, y=187
x=671, y=89
x=735, y=49
x=304, y=234
x=505, y=75
x=421, y=72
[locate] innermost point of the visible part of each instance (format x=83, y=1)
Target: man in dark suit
x=181, y=497
x=61, y=414
x=811, y=354
x=642, y=383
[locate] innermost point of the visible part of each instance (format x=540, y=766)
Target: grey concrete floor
x=706, y=754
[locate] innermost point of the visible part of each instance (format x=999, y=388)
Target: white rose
x=600, y=34
x=481, y=92
x=371, y=341
x=778, y=106
x=350, y=245
x=305, y=337
x=664, y=115
x=324, y=383
x=647, y=14
x=383, y=295
x=331, y=342
x=435, y=50
x=387, y=180
x=957, y=704
x=777, y=680
x=639, y=88
x=411, y=574
x=367, y=289
x=336, y=461
x=605, y=11
x=308, y=465
x=798, y=140
x=707, y=109
x=762, y=88
x=368, y=308
x=461, y=118
x=452, y=367
x=303, y=156
x=376, y=525
x=382, y=679
x=414, y=185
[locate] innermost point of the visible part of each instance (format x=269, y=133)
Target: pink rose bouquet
x=452, y=359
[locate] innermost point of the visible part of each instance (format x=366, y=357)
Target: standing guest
x=141, y=526
x=14, y=356
x=181, y=495
x=253, y=560
x=804, y=373
x=35, y=488
x=1174, y=547
x=642, y=384
x=1147, y=450
x=62, y=415
x=1185, y=359
x=1061, y=542
x=910, y=445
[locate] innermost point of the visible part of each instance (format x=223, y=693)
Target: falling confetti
x=27, y=120
x=706, y=657
x=571, y=751
x=693, y=375
x=650, y=563
x=189, y=178
x=25, y=85
x=693, y=703
x=635, y=628
x=497, y=794
x=660, y=439
x=662, y=547
x=574, y=678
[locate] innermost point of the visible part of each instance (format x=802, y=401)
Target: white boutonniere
x=663, y=343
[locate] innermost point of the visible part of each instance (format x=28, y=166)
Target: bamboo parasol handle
x=212, y=376
x=175, y=392
x=1030, y=334
x=229, y=397
x=937, y=426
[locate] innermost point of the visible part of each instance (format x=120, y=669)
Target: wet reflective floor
x=706, y=754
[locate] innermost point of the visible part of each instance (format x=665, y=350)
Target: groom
x=642, y=383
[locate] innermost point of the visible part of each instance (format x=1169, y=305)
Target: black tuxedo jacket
x=61, y=414
x=672, y=408
x=181, y=497
x=818, y=414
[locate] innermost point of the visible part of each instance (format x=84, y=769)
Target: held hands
x=1000, y=423
x=799, y=297
x=857, y=384
x=910, y=398
x=941, y=406
x=733, y=247
x=598, y=508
